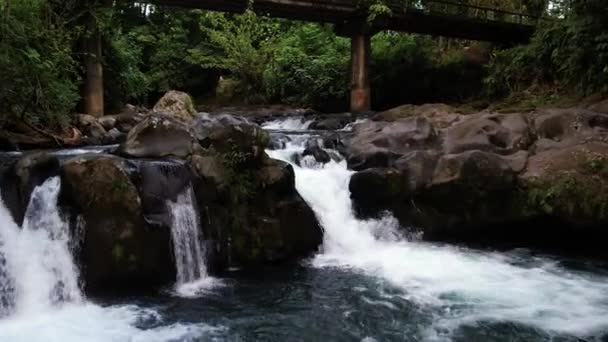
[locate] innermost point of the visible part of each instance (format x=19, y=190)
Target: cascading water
x=38, y=259
x=40, y=296
x=192, y=277
x=457, y=286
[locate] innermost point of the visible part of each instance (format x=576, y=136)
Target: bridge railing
x=453, y=8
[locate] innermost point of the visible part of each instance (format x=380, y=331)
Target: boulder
x=119, y=251
x=177, y=104
x=235, y=138
x=90, y=126
x=562, y=128
x=313, y=148
x=278, y=141
x=374, y=190
x=108, y=121
x=158, y=136
x=498, y=133
x=254, y=217
x=379, y=144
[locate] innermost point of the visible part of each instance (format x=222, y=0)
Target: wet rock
x=278, y=141
x=28, y=172
x=255, y=217
x=177, y=104
x=373, y=190
x=119, y=251
x=158, y=136
x=320, y=155
x=379, y=144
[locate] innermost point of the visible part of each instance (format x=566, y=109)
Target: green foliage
x=569, y=196
x=37, y=71
x=569, y=53
x=241, y=45
x=309, y=67
x=413, y=69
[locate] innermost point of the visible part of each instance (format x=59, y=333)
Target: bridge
x=448, y=18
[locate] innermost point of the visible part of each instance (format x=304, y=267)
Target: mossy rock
x=119, y=251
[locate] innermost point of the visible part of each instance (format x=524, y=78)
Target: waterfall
x=192, y=277
x=461, y=286
x=37, y=271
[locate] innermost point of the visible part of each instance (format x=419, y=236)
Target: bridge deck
x=439, y=18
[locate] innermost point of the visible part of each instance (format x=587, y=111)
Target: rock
x=119, y=252
x=419, y=167
x=498, y=133
x=108, y=121
x=261, y=221
x=599, y=107
x=562, y=128
x=90, y=126
x=158, y=136
x=177, y=104
x=114, y=136
x=20, y=179
x=160, y=181
x=333, y=141
x=517, y=161
x=569, y=183
x=278, y=141
x=332, y=122
x=234, y=137
x=473, y=172
x=320, y=155
x=373, y=190
x=379, y=144
x=439, y=115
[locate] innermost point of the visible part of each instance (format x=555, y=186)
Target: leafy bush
x=570, y=52
x=310, y=67
x=37, y=72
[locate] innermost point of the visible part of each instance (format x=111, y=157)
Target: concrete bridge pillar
x=360, y=97
x=93, y=90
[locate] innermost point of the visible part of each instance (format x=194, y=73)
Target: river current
x=367, y=283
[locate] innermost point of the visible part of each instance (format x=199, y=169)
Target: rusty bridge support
x=360, y=97
x=93, y=89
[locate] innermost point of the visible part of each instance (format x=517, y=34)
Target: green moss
x=240, y=174
x=568, y=194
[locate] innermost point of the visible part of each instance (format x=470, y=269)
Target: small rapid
x=457, y=287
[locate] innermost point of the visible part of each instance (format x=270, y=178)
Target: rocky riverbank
x=530, y=179
x=537, y=177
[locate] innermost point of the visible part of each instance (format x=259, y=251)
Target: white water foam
x=291, y=124
x=460, y=285
x=38, y=256
x=192, y=277
x=42, y=300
